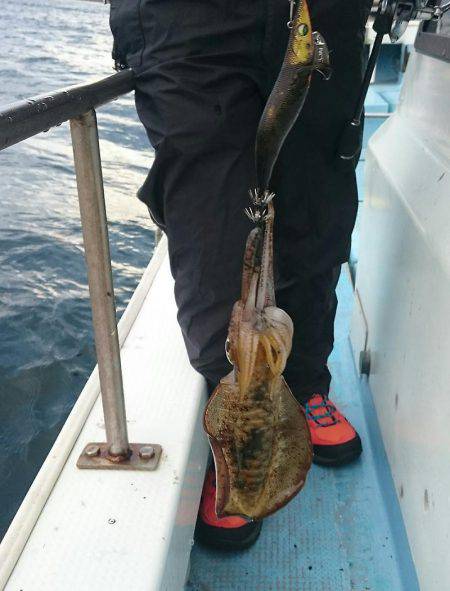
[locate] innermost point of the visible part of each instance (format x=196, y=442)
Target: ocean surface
x=46, y=342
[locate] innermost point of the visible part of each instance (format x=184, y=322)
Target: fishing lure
x=257, y=430
x=306, y=52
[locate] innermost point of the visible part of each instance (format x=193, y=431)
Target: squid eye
x=228, y=351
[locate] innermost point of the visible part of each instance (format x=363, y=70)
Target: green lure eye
x=302, y=29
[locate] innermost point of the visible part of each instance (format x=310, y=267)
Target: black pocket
x=126, y=27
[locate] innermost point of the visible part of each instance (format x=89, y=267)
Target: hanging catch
x=257, y=430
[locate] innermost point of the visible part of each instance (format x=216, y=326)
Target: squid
x=257, y=430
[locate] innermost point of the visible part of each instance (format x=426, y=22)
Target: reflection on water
x=46, y=347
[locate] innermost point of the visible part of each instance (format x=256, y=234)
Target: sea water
x=46, y=341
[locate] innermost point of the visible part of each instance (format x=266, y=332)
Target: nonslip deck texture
x=344, y=532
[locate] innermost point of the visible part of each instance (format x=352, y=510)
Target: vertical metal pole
x=88, y=170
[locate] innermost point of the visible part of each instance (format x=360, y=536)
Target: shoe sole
x=209, y=536
x=338, y=457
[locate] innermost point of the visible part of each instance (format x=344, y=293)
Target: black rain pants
x=204, y=71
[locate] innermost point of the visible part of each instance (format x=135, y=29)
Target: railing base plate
x=144, y=456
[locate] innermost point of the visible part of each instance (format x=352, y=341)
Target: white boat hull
x=403, y=283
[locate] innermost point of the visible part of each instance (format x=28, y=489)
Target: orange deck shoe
x=335, y=441
x=226, y=533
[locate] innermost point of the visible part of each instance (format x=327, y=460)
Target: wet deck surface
x=344, y=532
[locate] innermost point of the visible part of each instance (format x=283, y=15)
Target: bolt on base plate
x=144, y=456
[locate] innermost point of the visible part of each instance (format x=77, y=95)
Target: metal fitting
x=146, y=452
x=92, y=450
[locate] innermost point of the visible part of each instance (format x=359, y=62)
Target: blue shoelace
x=329, y=409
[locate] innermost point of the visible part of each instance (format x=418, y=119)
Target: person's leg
x=316, y=203
x=316, y=196
x=315, y=213
x=198, y=97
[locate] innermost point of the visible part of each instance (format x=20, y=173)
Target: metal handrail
x=25, y=119
x=96, y=245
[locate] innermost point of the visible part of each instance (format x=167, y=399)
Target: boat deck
x=344, y=531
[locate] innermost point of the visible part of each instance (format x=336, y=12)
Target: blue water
x=46, y=343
